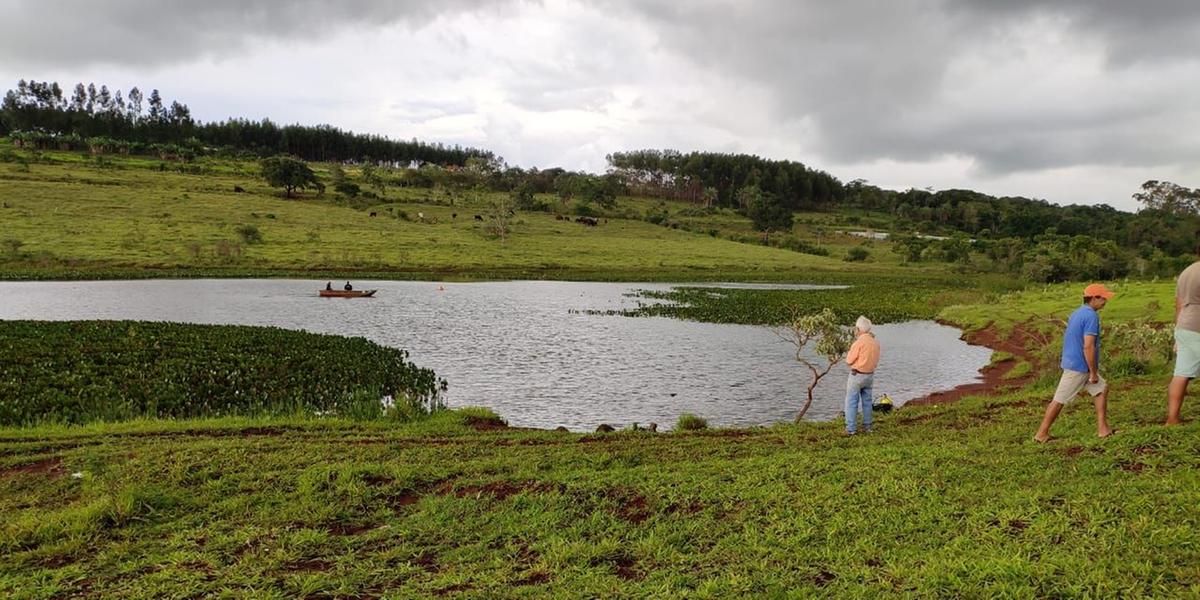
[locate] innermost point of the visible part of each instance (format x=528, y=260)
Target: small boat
x=345, y=294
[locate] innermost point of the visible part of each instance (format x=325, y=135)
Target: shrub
x=657, y=218
x=856, y=254
x=227, y=250
x=347, y=188
x=12, y=245
x=250, y=234
x=690, y=422
x=798, y=245
x=584, y=209
x=1127, y=366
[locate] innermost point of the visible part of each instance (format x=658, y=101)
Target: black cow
x=238, y=189
x=478, y=217
x=453, y=215
x=372, y=214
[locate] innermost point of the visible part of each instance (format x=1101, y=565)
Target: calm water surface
x=524, y=349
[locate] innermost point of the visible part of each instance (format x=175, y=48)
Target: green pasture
x=950, y=501
x=70, y=215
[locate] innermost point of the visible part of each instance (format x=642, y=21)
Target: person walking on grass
x=1187, y=339
x=1081, y=363
x=862, y=358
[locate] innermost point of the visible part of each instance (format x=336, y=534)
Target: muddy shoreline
x=994, y=374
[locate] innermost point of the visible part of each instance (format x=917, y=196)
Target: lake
x=529, y=350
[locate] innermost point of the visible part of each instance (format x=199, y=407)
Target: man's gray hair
x=863, y=324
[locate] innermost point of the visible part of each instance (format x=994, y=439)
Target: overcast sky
x=1074, y=101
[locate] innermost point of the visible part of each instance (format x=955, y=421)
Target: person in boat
x=329, y=286
x=862, y=359
x=348, y=287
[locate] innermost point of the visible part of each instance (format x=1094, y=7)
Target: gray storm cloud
x=1005, y=87
x=881, y=80
x=150, y=33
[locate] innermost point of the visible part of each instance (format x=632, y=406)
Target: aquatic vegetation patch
x=81, y=371
x=883, y=304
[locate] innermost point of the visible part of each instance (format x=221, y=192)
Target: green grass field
x=69, y=216
x=942, y=501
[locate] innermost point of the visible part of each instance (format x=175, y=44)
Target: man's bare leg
x=1043, y=432
x=1175, y=392
x=1102, y=428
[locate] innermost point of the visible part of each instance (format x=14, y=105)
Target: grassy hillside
x=69, y=214
x=942, y=501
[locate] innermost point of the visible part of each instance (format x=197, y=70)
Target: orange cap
x=1097, y=289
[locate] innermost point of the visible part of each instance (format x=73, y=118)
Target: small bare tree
x=501, y=212
x=824, y=335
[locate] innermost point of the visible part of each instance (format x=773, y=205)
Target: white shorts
x=1073, y=382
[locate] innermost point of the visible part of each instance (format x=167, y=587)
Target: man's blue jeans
x=858, y=392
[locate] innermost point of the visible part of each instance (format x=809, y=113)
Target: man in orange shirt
x=863, y=358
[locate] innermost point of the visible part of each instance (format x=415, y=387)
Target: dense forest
x=714, y=178
x=43, y=114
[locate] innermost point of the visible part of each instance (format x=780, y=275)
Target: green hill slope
x=70, y=215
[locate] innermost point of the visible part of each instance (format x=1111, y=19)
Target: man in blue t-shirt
x=1081, y=363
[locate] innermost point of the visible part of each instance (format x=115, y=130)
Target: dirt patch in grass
x=377, y=480
x=500, y=490
x=534, y=578
x=51, y=467
x=1016, y=344
x=485, y=423
x=1131, y=466
x=630, y=505
x=345, y=529
x=823, y=578
x=427, y=561
x=625, y=568
x=446, y=591
x=398, y=500
x=309, y=565
x=256, y=431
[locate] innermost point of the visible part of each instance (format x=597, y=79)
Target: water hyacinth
x=82, y=371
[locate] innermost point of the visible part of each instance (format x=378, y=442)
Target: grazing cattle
x=478, y=217
x=372, y=213
x=589, y=221
x=453, y=215
x=238, y=189
x=561, y=218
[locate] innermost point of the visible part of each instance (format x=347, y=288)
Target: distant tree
x=857, y=254
x=104, y=100
x=156, y=112
x=523, y=198
x=501, y=211
x=135, y=104
x=822, y=334
x=1169, y=197
x=288, y=173
x=90, y=105
x=78, y=98
x=373, y=178
x=766, y=211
